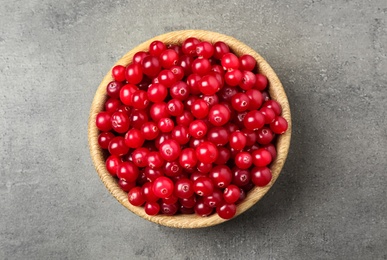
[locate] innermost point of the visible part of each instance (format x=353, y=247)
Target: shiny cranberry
x=152, y=174
x=261, y=176
x=113, y=89
x=139, y=157
x=135, y=197
x=211, y=99
x=261, y=157
x=255, y=98
x=209, y=85
x=170, y=150
x=230, y=61
x=112, y=163
x=185, y=119
x=206, y=152
x=117, y=146
x=125, y=185
x=193, y=143
x=226, y=211
x=158, y=111
x=233, y=78
x=240, y=102
x=149, y=130
x=103, y=121
x=237, y=140
x=204, y=50
x=118, y=73
x=189, y=46
x=163, y=187
x=147, y=192
x=240, y=177
x=112, y=104
x=198, y=129
x=271, y=149
x=133, y=73
x=170, y=200
x=185, y=62
x=203, y=186
x=189, y=202
x=172, y=169
x=151, y=66
x=104, y=139
x=181, y=134
x=254, y=120
x=155, y=160
x=156, y=48
x=152, y=208
x=169, y=209
x=247, y=62
x=201, y=67
x=220, y=48
x=188, y=158
x=179, y=90
x=168, y=58
x=184, y=210
x=268, y=114
x=134, y=138
x=231, y=194
x=248, y=80
x=175, y=107
x=202, y=209
x=189, y=102
x=265, y=135
x=178, y=71
x=204, y=167
x=166, y=78
x=221, y=176
x=261, y=82
x=166, y=125
x=126, y=93
x=215, y=199
x=157, y=92
x=243, y=160
x=219, y=115
x=279, y=125
x=127, y=171
x=184, y=188
x=161, y=138
x=224, y=154
x=192, y=82
x=199, y=109
x=218, y=136
x=139, y=56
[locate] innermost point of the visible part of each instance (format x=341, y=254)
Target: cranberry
x=133, y=73
x=175, y=107
x=204, y=167
x=104, y=139
x=205, y=50
x=224, y=155
x=198, y=129
x=230, y=61
x=221, y=176
x=209, y=85
x=168, y=58
x=170, y=200
x=261, y=176
x=184, y=210
x=135, y=197
x=261, y=157
x=118, y=73
x=220, y=48
x=237, y=140
x=202, y=209
x=226, y=211
x=240, y=102
x=233, y=77
x=255, y=98
x=169, y=209
x=240, y=177
x=126, y=186
x=147, y=192
x=112, y=104
x=265, y=135
x=112, y=163
x=254, y=120
x=166, y=78
x=181, y=134
x=261, y=82
x=211, y=99
x=247, y=62
x=231, y=194
x=188, y=158
x=189, y=46
x=151, y=66
x=103, y=121
x=269, y=114
x=113, y=89
x=201, y=67
x=215, y=199
x=189, y=102
x=170, y=150
x=279, y=125
x=139, y=56
x=184, y=188
x=206, y=152
x=243, y=160
x=185, y=119
x=199, y=109
x=139, y=157
x=193, y=143
x=271, y=149
x=163, y=187
x=172, y=169
x=155, y=160
x=189, y=202
x=152, y=174
x=157, y=92
x=218, y=135
x=179, y=90
x=217, y=68
x=158, y=111
x=134, y=138
x=152, y=208
x=192, y=82
x=178, y=71
x=185, y=62
x=166, y=125
x=219, y=115
x=248, y=80
x=126, y=93
x=117, y=146
x=156, y=48
x=226, y=93
x=149, y=130
x=127, y=171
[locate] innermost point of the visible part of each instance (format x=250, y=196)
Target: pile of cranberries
x=189, y=129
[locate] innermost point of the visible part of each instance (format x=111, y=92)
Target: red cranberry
x=220, y=48
x=184, y=188
x=103, y=121
x=230, y=61
x=261, y=82
x=221, y=176
x=188, y=158
x=261, y=176
x=155, y=160
x=168, y=58
x=158, y=111
x=170, y=150
x=117, y=146
x=189, y=46
x=134, y=138
x=192, y=82
x=179, y=90
x=209, y=85
x=149, y=130
x=243, y=160
x=112, y=163
x=215, y=199
x=133, y=73
x=279, y=125
x=247, y=62
x=226, y=211
x=118, y=73
x=151, y=66
x=175, y=107
x=172, y=169
x=135, y=197
x=156, y=48
x=206, y=152
x=152, y=208
x=198, y=129
x=139, y=56
x=224, y=154
x=157, y=92
x=231, y=194
x=203, y=186
x=261, y=157
x=139, y=157
x=205, y=50
x=126, y=93
x=265, y=136
x=126, y=186
x=233, y=78
x=254, y=120
x=199, y=108
x=147, y=192
x=237, y=140
x=166, y=125
x=201, y=67
x=104, y=139
x=219, y=115
x=127, y=171
x=218, y=135
x=181, y=134
x=248, y=80
x=240, y=177
x=255, y=98
x=240, y=102
x=202, y=209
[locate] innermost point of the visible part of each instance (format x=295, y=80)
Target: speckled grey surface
x=329, y=202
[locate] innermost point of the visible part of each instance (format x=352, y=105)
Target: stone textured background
x=329, y=202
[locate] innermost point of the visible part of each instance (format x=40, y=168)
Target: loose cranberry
x=209, y=85
x=198, y=129
x=261, y=82
x=217, y=68
x=139, y=157
x=193, y=143
x=126, y=93
x=103, y=121
x=261, y=157
x=221, y=176
x=261, y=176
x=192, y=82
x=169, y=209
x=175, y=107
x=170, y=200
x=240, y=102
x=231, y=194
x=158, y=111
x=211, y=99
x=185, y=62
x=184, y=188
x=184, y=210
x=233, y=78
x=133, y=73
x=202, y=209
x=113, y=89
x=206, y=152
x=104, y=139
x=265, y=136
x=189, y=46
x=204, y=167
x=157, y=92
x=156, y=48
x=152, y=208
x=204, y=50
x=179, y=90
x=166, y=78
x=163, y=187
x=172, y=169
x=255, y=98
x=215, y=199
x=185, y=119
x=135, y=197
x=265, y=96
x=168, y=58
x=117, y=146
x=151, y=66
x=155, y=160
x=134, y=138
x=188, y=158
x=189, y=102
x=219, y=115
x=226, y=211
x=269, y=114
x=170, y=150
x=199, y=109
x=126, y=186
x=240, y=177
x=220, y=48
x=127, y=171
x=178, y=71
x=149, y=130
x=279, y=125
x=152, y=174
x=248, y=80
x=226, y=93
x=224, y=155
x=201, y=67
x=274, y=105
x=237, y=140
x=254, y=120
x=161, y=139
x=112, y=163
x=112, y=104
x=230, y=127
x=218, y=136
x=230, y=61
x=271, y=149
x=140, y=99
x=247, y=62
x=243, y=160
x=181, y=134
x=118, y=73
x=139, y=56
x=138, y=118
x=166, y=125
x=147, y=192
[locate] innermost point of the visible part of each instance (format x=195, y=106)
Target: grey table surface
x=330, y=200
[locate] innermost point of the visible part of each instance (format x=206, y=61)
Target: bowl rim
x=276, y=92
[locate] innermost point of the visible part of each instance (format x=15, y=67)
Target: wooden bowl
x=190, y=221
